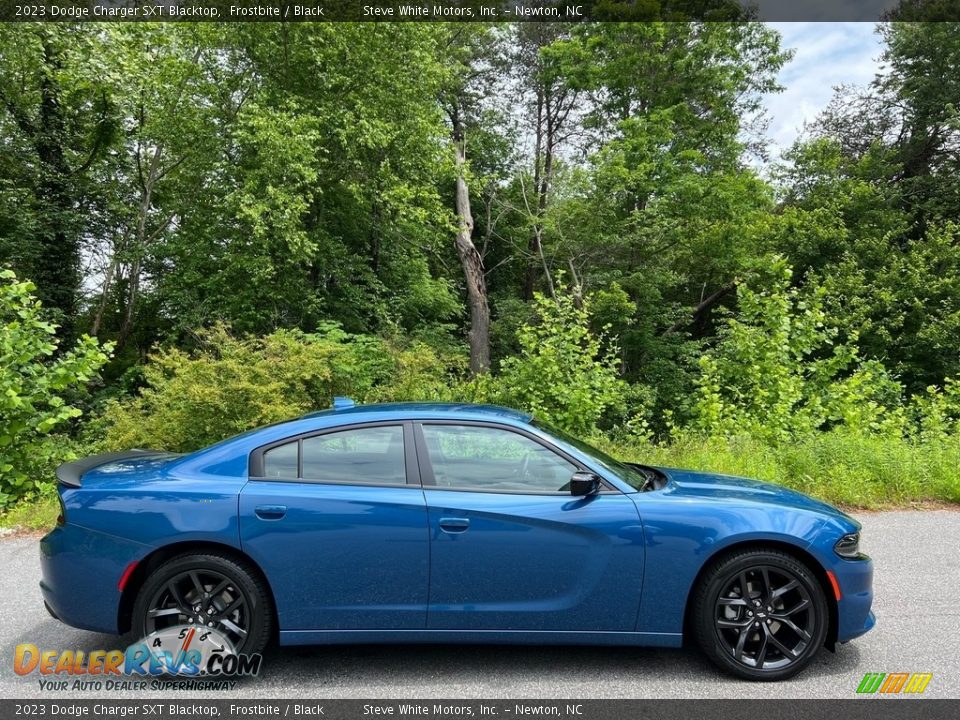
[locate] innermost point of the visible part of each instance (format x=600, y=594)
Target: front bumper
x=80, y=570
x=854, y=616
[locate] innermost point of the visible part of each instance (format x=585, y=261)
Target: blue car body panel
x=534, y=562
x=349, y=557
x=357, y=562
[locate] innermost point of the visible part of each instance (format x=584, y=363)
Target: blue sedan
x=418, y=522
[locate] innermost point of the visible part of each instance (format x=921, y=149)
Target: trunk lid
x=71, y=473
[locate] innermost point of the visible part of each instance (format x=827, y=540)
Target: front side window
x=493, y=460
x=361, y=455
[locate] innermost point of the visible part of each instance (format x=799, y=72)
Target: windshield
x=629, y=475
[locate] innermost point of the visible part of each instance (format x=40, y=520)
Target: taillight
x=62, y=517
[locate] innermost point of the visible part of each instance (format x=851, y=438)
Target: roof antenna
x=343, y=403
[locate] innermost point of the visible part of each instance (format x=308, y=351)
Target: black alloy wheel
x=206, y=591
x=760, y=615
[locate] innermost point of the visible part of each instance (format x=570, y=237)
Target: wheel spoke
x=197, y=585
x=784, y=589
x=164, y=612
x=171, y=587
x=762, y=652
x=802, y=605
x=233, y=627
x=801, y=633
x=780, y=646
x=735, y=624
x=731, y=601
x=219, y=589
x=766, y=590
x=741, y=641
x=232, y=606
x=744, y=586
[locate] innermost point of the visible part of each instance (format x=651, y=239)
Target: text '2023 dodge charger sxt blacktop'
x=419, y=522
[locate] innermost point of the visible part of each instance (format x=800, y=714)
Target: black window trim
x=411, y=468
x=430, y=483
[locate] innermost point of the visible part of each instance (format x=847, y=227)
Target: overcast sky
x=825, y=55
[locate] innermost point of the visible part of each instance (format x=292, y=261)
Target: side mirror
x=584, y=483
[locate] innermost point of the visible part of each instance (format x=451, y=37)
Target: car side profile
x=419, y=522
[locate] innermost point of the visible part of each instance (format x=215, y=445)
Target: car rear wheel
x=206, y=590
x=760, y=615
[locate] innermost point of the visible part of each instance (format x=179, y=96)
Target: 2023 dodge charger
x=450, y=523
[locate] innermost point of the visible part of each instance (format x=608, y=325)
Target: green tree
x=776, y=371
x=58, y=121
x=35, y=387
x=562, y=373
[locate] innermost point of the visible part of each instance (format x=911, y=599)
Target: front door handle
x=454, y=525
x=270, y=512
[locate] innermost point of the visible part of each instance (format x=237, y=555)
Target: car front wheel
x=760, y=615
x=206, y=590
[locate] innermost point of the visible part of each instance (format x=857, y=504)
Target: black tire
x=229, y=585
x=760, y=615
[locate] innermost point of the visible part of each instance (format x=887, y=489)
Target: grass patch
x=32, y=515
x=860, y=471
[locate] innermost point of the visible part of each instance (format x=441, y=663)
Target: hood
x=701, y=485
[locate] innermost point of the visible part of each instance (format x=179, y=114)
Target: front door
x=339, y=531
x=511, y=549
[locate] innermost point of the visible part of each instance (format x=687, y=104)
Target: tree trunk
x=57, y=268
x=470, y=259
x=139, y=244
x=534, y=246
x=105, y=295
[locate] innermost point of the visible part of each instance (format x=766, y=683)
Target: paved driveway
x=917, y=604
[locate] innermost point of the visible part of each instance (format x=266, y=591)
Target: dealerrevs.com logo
x=894, y=683
x=202, y=655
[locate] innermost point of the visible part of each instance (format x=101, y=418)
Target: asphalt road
x=917, y=585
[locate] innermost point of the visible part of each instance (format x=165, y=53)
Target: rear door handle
x=270, y=512
x=454, y=525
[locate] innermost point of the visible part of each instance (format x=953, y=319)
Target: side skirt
x=479, y=637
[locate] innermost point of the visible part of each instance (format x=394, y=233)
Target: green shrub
x=230, y=384
x=34, y=383
x=561, y=373
x=776, y=372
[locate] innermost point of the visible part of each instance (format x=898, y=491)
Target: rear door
x=337, y=521
x=511, y=549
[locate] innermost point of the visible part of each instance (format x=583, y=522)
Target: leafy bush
x=561, y=373
x=776, y=372
x=34, y=385
x=230, y=384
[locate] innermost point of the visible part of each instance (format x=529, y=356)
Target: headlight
x=848, y=546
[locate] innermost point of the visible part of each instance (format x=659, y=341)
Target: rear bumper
x=80, y=570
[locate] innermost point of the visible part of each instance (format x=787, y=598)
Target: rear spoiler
x=70, y=473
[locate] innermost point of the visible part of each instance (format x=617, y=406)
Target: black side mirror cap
x=584, y=483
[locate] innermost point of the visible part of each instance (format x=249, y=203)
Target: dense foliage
x=580, y=220
x=35, y=390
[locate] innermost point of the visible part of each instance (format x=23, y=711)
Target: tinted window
x=633, y=477
x=491, y=459
x=372, y=455
x=281, y=461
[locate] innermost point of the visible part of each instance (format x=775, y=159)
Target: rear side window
x=361, y=455
x=281, y=461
